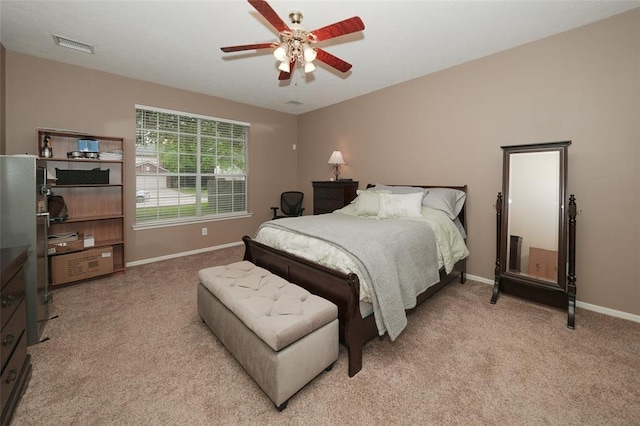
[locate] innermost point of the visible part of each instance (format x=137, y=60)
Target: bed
x=355, y=269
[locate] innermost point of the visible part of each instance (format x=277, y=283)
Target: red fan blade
x=287, y=75
x=248, y=47
x=338, y=29
x=332, y=61
x=269, y=14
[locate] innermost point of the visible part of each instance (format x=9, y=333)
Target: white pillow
x=400, y=205
x=447, y=200
x=368, y=202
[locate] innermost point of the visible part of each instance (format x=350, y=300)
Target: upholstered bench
x=280, y=333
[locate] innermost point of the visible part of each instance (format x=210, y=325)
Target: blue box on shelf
x=88, y=145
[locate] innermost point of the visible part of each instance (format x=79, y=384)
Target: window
x=189, y=167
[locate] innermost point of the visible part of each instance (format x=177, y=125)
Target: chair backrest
x=291, y=202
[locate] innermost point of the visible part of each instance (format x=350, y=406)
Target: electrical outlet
x=204, y=231
x=294, y=147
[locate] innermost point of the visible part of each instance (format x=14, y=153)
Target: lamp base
x=336, y=171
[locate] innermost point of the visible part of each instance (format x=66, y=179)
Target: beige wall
x=447, y=128
x=2, y=102
x=583, y=85
x=51, y=94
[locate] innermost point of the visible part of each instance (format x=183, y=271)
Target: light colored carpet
x=130, y=349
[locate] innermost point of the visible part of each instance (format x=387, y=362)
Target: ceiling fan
x=297, y=45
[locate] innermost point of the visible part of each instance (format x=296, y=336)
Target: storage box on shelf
x=92, y=185
x=65, y=243
x=81, y=265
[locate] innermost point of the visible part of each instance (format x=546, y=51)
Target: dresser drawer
x=11, y=333
x=329, y=196
x=11, y=372
x=328, y=193
x=11, y=295
x=327, y=205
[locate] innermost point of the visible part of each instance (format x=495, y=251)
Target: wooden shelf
x=93, y=209
x=91, y=218
x=85, y=185
x=108, y=243
x=83, y=160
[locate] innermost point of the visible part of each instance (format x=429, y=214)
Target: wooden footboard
x=340, y=288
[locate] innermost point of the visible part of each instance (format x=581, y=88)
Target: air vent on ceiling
x=294, y=103
x=72, y=44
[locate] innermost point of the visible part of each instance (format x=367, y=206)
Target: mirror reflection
x=533, y=214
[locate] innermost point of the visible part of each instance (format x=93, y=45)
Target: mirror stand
x=536, y=227
x=496, y=281
x=571, y=284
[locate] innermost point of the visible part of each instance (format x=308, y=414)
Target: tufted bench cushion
x=280, y=333
x=274, y=309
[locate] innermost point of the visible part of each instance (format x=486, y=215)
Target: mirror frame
x=562, y=292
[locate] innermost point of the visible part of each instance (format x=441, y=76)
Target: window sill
x=179, y=222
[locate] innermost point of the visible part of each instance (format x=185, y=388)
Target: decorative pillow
x=400, y=205
x=448, y=200
x=368, y=202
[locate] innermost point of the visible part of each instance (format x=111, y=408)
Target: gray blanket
x=400, y=258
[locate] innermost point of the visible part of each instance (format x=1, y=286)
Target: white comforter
x=450, y=245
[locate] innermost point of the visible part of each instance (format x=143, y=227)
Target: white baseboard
x=480, y=279
x=579, y=304
x=608, y=311
x=184, y=253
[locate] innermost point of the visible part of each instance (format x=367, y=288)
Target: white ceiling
x=177, y=43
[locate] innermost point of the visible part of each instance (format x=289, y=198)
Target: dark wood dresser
x=16, y=363
x=331, y=195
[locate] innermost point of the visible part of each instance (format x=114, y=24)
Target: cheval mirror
x=535, y=240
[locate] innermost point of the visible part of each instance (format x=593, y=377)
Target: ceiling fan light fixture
x=309, y=53
x=284, y=66
x=295, y=44
x=281, y=52
x=309, y=67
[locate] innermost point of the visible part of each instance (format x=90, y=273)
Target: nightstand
x=332, y=195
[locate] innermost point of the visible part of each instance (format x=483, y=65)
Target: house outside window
x=189, y=168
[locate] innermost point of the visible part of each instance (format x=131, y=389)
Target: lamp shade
x=309, y=67
x=308, y=53
x=281, y=52
x=336, y=158
x=284, y=66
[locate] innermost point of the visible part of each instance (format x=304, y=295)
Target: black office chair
x=290, y=204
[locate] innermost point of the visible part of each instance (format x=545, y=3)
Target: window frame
x=198, y=175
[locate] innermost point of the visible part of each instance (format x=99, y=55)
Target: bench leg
x=283, y=405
